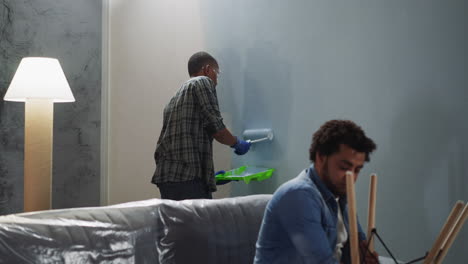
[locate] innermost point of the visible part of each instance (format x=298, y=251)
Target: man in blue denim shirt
x=306, y=221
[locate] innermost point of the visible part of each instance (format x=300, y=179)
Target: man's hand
x=221, y=182
x=370, y=257
x=241, y=147
x=220, y=172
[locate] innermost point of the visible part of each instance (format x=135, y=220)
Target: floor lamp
x=39, y=82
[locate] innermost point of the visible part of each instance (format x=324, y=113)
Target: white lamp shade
x=39, y=78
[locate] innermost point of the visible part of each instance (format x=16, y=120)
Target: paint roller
x=258, y=135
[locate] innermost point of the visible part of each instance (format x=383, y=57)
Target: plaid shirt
x=184, y=151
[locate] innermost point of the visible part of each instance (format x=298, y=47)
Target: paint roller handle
x=241, y=147
x=257, y=140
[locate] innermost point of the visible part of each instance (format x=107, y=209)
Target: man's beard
x=328, y=182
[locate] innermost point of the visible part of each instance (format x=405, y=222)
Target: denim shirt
x=300, y=224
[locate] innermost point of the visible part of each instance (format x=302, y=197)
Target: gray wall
x=71, y=32
x=397, y=68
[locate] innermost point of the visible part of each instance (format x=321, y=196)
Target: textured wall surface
x=71, y=32
x=397, y=68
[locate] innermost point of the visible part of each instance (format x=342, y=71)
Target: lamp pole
x=38, y=132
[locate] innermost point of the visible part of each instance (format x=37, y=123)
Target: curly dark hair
x=332, y=134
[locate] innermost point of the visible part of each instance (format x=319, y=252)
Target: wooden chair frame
x=442, y=244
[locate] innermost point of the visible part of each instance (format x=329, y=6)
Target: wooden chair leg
x=353, y=229
x=446, y=229
x=371, y=210
x=448, y=243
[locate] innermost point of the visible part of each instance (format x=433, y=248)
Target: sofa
x=150, y=231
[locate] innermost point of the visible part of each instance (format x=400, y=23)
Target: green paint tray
x=246, y=174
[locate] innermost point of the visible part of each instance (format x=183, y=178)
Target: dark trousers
x=195, y=189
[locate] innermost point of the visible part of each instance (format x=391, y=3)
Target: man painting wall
x=184, y=152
